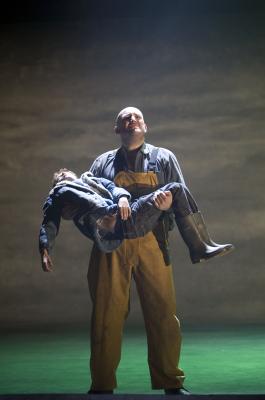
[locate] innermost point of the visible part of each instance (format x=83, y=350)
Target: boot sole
x=221, y=253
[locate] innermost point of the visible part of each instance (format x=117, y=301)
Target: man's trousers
x=109, y=279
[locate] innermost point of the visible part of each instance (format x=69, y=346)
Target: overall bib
x=109, y=278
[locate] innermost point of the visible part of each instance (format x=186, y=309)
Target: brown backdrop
x=200, y=82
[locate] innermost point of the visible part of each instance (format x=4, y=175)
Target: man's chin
x=134, y=132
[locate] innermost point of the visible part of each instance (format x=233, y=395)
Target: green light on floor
x=215, y=362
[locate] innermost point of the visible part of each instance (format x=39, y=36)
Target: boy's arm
x=120, y=196
x=117, y=192
x=46, y=261
x=48, y=232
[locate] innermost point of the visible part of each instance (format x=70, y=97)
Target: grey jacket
x=89, y=199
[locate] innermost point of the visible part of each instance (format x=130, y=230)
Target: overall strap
x=152, y=162
x=119, y=162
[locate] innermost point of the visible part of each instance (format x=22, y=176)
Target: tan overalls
x=109, y=279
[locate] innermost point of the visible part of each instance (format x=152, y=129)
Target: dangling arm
x=48, y=231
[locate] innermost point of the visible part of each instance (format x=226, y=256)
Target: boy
x=101, y=211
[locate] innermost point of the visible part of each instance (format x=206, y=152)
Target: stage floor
x=227, y=361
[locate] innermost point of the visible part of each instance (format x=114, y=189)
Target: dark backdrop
x=196, y=69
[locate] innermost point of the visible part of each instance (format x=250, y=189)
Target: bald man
x=140, y=168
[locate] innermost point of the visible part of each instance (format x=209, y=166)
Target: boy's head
x=63, y=174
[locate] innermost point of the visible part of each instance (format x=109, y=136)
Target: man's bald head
x=131, y=127
x=128, y=110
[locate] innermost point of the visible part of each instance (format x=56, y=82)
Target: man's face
x=130, y=125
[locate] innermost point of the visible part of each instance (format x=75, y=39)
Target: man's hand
x=46, y=261
x=124, y=208
x=162, y=200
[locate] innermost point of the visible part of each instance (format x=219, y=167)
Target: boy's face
x=66, y=176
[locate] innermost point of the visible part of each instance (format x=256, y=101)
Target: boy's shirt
x=83, y=200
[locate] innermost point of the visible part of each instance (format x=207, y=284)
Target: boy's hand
x=46, y=261
x=124, y=208
x=162, y=200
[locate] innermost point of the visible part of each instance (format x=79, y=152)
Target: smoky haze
x=199, y=81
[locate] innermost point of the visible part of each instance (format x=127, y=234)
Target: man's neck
x=132, y=149
x=132, y=146
x=131, y=155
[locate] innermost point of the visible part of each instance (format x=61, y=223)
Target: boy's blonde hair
x=57, y=174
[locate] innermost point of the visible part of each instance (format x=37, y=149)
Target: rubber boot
x=205, y=235
x=199, y=250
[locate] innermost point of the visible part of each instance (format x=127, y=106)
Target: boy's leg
x=192, y=227
x=145, y=216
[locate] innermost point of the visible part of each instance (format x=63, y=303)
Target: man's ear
x=116, y=129
x=145, y=128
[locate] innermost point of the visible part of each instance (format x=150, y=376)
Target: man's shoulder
x=103, y=164
x=107, y=155
x=162, y=151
